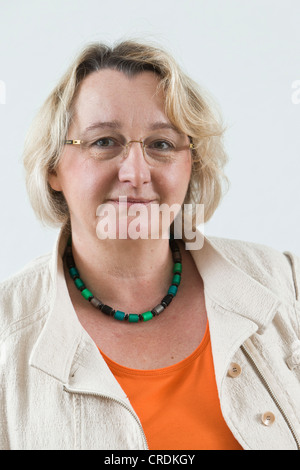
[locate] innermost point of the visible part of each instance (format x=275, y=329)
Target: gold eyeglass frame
x=126, y=146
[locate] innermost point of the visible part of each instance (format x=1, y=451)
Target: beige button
x=234, y=370
x=268, y=418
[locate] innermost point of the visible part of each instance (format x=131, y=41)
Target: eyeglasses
x=156, y=151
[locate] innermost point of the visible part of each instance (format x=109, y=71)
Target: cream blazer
x=56, y=391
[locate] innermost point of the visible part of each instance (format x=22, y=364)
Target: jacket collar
x=237, y=306
x=232, y=289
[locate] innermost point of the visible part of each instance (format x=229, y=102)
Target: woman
x=119, y=341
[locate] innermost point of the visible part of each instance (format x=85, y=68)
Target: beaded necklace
x=117, y=314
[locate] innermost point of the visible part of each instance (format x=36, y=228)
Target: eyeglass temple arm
x=73, y=142
x=192, y=145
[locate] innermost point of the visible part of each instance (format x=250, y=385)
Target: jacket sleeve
x=4, y=440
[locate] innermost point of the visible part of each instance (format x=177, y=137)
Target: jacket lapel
x=64, y=350
x=237, y=305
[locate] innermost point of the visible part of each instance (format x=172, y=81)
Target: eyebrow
x=118, y=125
x=102, y=125
x=163, y=125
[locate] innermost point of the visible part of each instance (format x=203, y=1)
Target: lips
x=130, y=200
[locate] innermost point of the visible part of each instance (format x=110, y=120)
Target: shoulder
x=276, y=270
x=26, y=293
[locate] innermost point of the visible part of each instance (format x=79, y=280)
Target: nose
x=134, y=169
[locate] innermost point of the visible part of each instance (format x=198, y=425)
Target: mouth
x=123, y=200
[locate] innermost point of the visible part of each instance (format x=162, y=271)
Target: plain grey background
x=246, y=53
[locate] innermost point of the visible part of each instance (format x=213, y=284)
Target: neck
x=132, y=275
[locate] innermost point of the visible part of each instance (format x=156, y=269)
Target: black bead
x=174, y=246
x=107, y=310
x=167, y=300
x=70, y=261
x=177, y=257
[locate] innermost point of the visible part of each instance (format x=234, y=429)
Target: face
x=111, y=105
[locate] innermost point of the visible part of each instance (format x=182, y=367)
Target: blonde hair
x=186, y=106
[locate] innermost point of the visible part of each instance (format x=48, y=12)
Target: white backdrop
x=246, y=53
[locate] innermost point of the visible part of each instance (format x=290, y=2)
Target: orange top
x=178, y=405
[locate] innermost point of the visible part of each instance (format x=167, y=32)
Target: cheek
x=176, y=180
x=83, y=183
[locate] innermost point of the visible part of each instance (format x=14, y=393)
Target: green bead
x=176, y=279
x=79, y=283
x=133, y=318
x=147, y=316
x=172, y=290
x=73, y=273
x=119, y=315
x=177, y=268
x=87, y=294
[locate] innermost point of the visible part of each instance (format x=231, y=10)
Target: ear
x=54, y=181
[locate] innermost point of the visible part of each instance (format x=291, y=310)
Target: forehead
x=112, y=95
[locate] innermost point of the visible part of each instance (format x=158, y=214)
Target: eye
x=162, y=145
x=105, y=142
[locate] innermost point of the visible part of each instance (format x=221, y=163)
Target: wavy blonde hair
x=186, y=106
